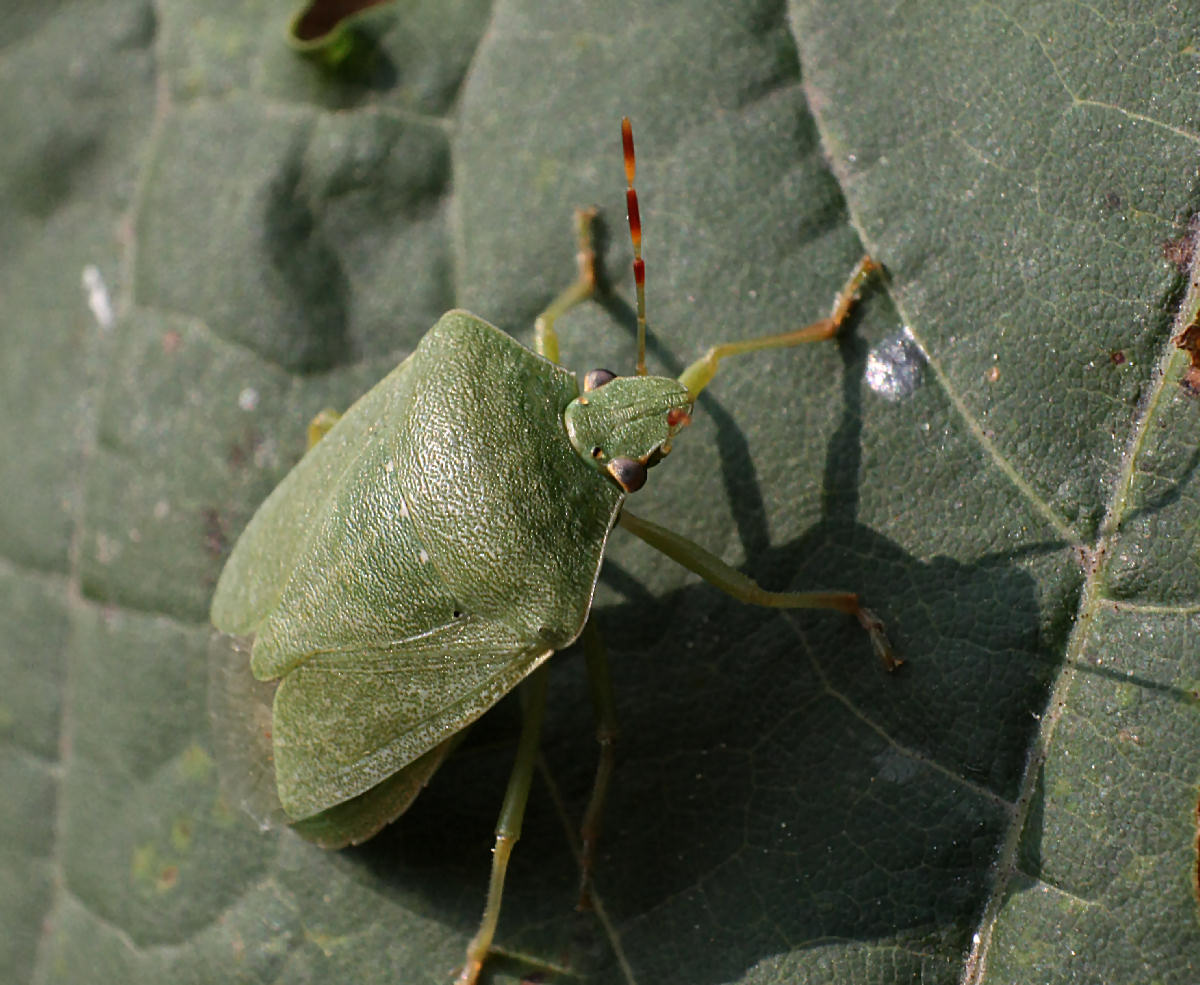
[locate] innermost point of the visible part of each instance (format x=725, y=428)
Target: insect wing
x=355, y=820
x=434, y=547
x=240, y=709
x=367, y=577
x=346, y=721
x=264, y=557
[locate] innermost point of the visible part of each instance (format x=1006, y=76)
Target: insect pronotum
x=426, y=556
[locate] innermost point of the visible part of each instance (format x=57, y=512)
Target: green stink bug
x=442, y=540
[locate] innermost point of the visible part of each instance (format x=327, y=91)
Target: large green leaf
x=271, y=235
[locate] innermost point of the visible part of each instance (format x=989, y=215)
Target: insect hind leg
x=584, y=287
x=605, y=707
x=508, y=828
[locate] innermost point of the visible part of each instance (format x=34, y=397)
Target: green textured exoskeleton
x=440, y=542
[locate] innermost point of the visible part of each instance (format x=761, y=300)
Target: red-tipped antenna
x=635, y=233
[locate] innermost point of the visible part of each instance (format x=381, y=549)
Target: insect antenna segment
x=635, y=233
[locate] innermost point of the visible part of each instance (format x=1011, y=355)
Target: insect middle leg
x=700, y=373
x=545, y=338
x=508, y=828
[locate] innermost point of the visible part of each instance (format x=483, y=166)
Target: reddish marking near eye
x=677, y=417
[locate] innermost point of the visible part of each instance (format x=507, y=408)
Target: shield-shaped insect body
x=442, y=540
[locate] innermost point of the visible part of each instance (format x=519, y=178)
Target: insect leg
x=700, y=373
x=321, y=425
x=508, y=828
x=731, y=581
x=605, y=707
x=545, y=338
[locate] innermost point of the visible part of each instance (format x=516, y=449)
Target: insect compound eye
x=596, y=378
x=629, y=473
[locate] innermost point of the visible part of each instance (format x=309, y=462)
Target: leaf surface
x=259, y=236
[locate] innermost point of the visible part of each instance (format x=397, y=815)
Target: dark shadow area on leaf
x=1030, y=849
x=310, y=273
x=774, y=785
x=783, y=772
x=1178, y=695
x=1173, y=488
x=51, y=172
x=354, y=66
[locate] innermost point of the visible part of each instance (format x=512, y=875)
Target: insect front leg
x=545, y=338
x=508, y=828
x=700, y=373
x=321, y=425
x=732, y=582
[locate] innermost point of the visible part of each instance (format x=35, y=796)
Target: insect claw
x=879, y=641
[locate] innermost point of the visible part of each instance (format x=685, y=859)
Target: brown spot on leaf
x=1196, y=871
x=241, y=451
x=1182, y=251
x=1179, y=252
x=1189, y=341
x=216, y=537
x=1183, y=254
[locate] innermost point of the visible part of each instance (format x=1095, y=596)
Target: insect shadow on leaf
x=440, y=541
